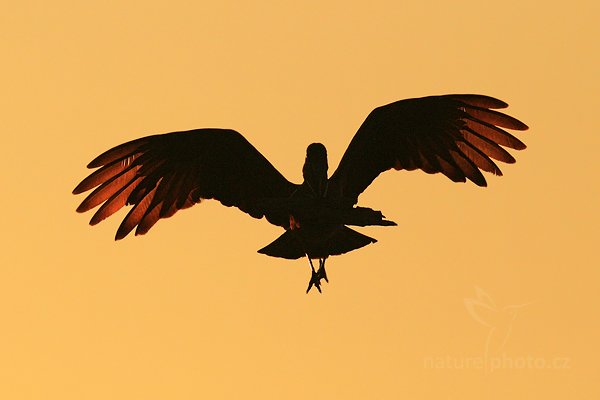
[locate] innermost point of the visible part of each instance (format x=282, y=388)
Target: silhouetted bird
x=457, y=135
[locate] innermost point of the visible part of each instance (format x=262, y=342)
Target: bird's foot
x=317, y=276
x=321, y=271
x=315, y=280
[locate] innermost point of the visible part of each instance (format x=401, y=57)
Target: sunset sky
x=478, y=293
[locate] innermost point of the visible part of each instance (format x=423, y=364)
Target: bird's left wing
x=162, y=174
x=456, y=135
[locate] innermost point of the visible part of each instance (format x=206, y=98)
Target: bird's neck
x=315, y=176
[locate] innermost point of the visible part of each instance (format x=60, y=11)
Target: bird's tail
x=290, y=245
x=285, y=246
x=346, y=240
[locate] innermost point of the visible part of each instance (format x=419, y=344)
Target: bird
x=457, y=135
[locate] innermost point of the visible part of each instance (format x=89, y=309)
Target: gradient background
x=192, y=311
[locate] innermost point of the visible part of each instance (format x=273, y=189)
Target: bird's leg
x=321, y=272
x=316, y=276
x=311, y=264
x=315, y=279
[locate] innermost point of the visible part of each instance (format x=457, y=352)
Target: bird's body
x=456, y=135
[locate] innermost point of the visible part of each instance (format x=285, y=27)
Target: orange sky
x=191, y=310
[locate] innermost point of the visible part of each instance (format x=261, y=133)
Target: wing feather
x=135, y=215
x=115, y=202
x=161, y=174
x=479, y=158
x=495, y=118
x=149, y=219
x=107, y=189
x=478, y=100
x=488, y=146
x=498, y=135
x=457, y=135
x=101, y=175
x=450, y=170
x=468, y=168
x=116, y=153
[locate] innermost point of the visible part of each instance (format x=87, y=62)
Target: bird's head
x=316, y=156
x=315, y=168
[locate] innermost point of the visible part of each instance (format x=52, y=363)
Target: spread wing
x=162, y=174
x=457, y=135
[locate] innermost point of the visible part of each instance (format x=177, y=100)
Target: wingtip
x=96, y=219
x=520, y=146
x=79, y=189
x=520, y=126
x=120, y=235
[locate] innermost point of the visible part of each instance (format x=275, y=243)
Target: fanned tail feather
x=289, y=245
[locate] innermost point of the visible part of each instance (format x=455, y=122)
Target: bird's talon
x=315, y=280
x=321, y=272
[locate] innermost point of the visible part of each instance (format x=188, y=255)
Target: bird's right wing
x=456, y=135
x=162, y=174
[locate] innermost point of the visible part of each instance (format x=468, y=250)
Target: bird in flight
x=458, y=135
